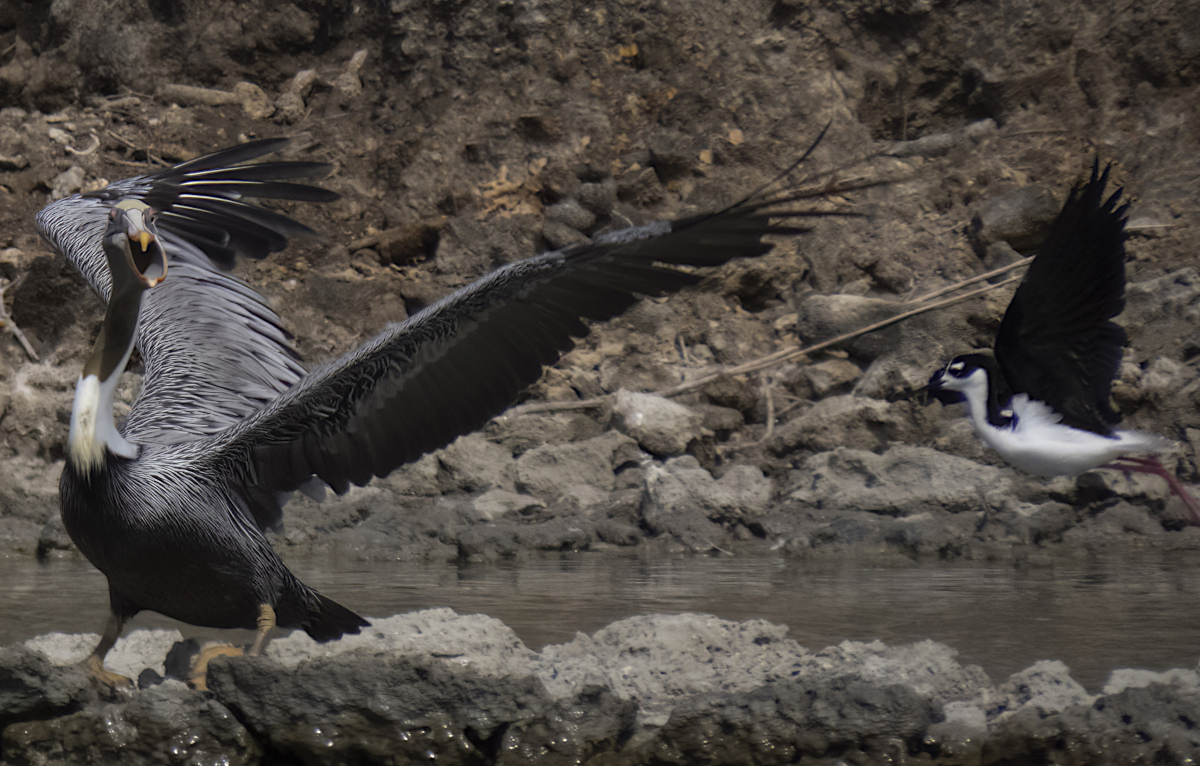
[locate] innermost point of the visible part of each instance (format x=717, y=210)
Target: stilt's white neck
x=976, y=394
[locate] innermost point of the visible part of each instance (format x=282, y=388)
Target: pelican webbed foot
x=94, y=665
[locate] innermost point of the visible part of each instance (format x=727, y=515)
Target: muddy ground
x=464, y=135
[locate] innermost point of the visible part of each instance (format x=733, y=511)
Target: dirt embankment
x=465, y=135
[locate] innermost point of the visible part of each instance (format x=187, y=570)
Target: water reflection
x=1095, y=614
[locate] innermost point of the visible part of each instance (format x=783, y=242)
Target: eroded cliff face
x=467, y=135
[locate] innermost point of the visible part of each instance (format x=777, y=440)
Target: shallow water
x=1094, y=614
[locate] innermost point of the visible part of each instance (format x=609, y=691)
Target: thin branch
x=766, y=389
x=785, y=354
x=973, y=280
x=7, y=321
x=794, y=352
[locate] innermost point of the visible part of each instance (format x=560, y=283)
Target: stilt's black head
x=974, y=371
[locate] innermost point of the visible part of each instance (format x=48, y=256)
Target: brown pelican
x=172, y=503
x=1042, y=399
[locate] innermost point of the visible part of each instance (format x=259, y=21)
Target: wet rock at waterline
x=677, y=689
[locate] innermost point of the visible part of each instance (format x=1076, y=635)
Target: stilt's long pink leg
x=1152, y=466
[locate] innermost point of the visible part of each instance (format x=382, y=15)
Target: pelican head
x=135, y=257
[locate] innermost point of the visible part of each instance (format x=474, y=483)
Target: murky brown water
x=1095, y=615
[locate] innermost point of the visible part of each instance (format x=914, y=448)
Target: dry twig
x=6, y=319
x=795, y=352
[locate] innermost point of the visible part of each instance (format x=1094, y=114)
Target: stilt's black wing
x=1056, y=342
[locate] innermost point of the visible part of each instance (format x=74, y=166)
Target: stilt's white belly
x=1041, y=445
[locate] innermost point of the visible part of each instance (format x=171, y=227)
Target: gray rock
x=475, y=640
x=1153, y=724
x=617, y=532
x=999, y=254
x=1019, y=217
x=593, y=722
x=839, y=421
x=685, y=501
x=783, y=722
x=659, y=660
x=570, y=213
x=255, y=102
x=1120, y=520
x=824, y=317
x=512, y=539
x=559, y=235
x=67, y=183
x=129, y=656
x=717, y=419
x=662, y=427
x=662, y=688
x=640, y=187
x=1162, y=312
x=902, y=480
x=29, y=489
x=500, y=502
x=598, y=198
x=938, y=144
x=1136, y=678
x=1044, y=688
x=928, y=668
x=524, y=432
x=472, y=463
x=549, y=470
x=830, y=376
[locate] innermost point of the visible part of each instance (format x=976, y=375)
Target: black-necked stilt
x=1042, y=399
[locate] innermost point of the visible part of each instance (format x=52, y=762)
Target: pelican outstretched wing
x=450, y=368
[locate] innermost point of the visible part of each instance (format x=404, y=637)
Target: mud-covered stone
x=783, y=722
x=1152, y=724
x=31, y=687
x=361, y=706
x=848, y=421
x=168, y=723
x=658, y=688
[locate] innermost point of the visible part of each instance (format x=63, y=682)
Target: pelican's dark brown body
x=181, y=545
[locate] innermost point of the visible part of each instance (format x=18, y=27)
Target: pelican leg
x=1151, y=465
x=198, y=676
x=94, y=663
x=199, y=673
x=266, y=623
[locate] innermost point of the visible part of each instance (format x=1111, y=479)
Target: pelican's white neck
x=93, y=426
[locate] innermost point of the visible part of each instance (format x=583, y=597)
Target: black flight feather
x=1057, y=342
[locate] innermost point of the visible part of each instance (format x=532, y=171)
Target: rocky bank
x=681, y=689
x=464, y=135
